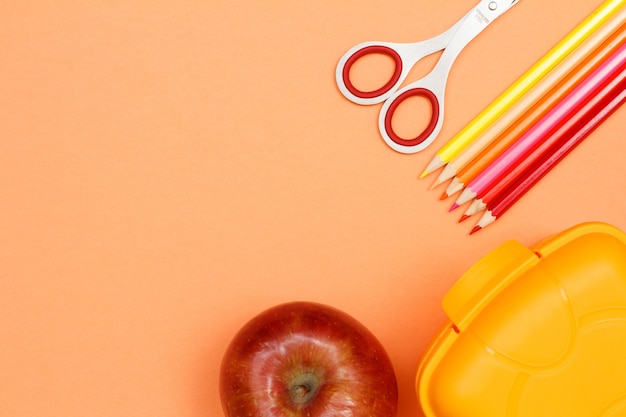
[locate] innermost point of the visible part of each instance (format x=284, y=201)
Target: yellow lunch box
x=534, y=332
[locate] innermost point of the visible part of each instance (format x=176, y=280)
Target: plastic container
x=534, y=332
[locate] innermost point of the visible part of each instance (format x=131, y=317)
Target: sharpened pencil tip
x=424, y=174
x=464, y=217
x=455, y=205
x=444, y=196
x=475, y=229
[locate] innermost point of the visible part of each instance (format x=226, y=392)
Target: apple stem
x=304, y=387
x=302, y=390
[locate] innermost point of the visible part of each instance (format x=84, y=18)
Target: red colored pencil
x=589, y=109
x=574, y=136
x=563, y=81
x=546, y=126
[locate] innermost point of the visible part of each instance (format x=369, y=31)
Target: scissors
x=431, y=86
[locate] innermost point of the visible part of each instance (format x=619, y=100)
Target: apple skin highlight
x=304, y=359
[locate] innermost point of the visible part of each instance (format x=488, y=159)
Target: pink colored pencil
x=539, y=99
x=562, y=85
x=559, y=138
x=587, y=111
x=544, y=127
x=613, y=97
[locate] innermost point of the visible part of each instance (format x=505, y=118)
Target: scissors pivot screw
x=493, y=5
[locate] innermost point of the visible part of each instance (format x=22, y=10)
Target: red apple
x=310, y=360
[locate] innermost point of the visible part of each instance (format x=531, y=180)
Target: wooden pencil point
x=435, y=164
x=447, y=173
x=443, y=196
x=455, y=186
x=464, y=217
x=467, y=195
x=475, y=229
x=454, y=206
x=476, y=206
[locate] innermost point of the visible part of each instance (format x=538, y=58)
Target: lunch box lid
x=537, y=331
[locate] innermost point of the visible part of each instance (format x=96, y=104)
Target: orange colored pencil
x=612, y=67
x=551, y=144
x=571, y=135
x=524, y=103
x=524, y=83
x=536, y=112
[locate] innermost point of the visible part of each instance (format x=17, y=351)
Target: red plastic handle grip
x=434, y=118
x=368, y=50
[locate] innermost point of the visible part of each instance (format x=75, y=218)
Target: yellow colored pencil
x=523, y=84
x=523, y=106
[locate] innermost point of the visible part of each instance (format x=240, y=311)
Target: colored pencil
x=559, y=138
x=524, y=184
x=550, y=122
x=575, y=66
x=481, y=161
x=524, y=83
x=542, y=107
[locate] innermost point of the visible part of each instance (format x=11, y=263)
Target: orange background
x=170, y=169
